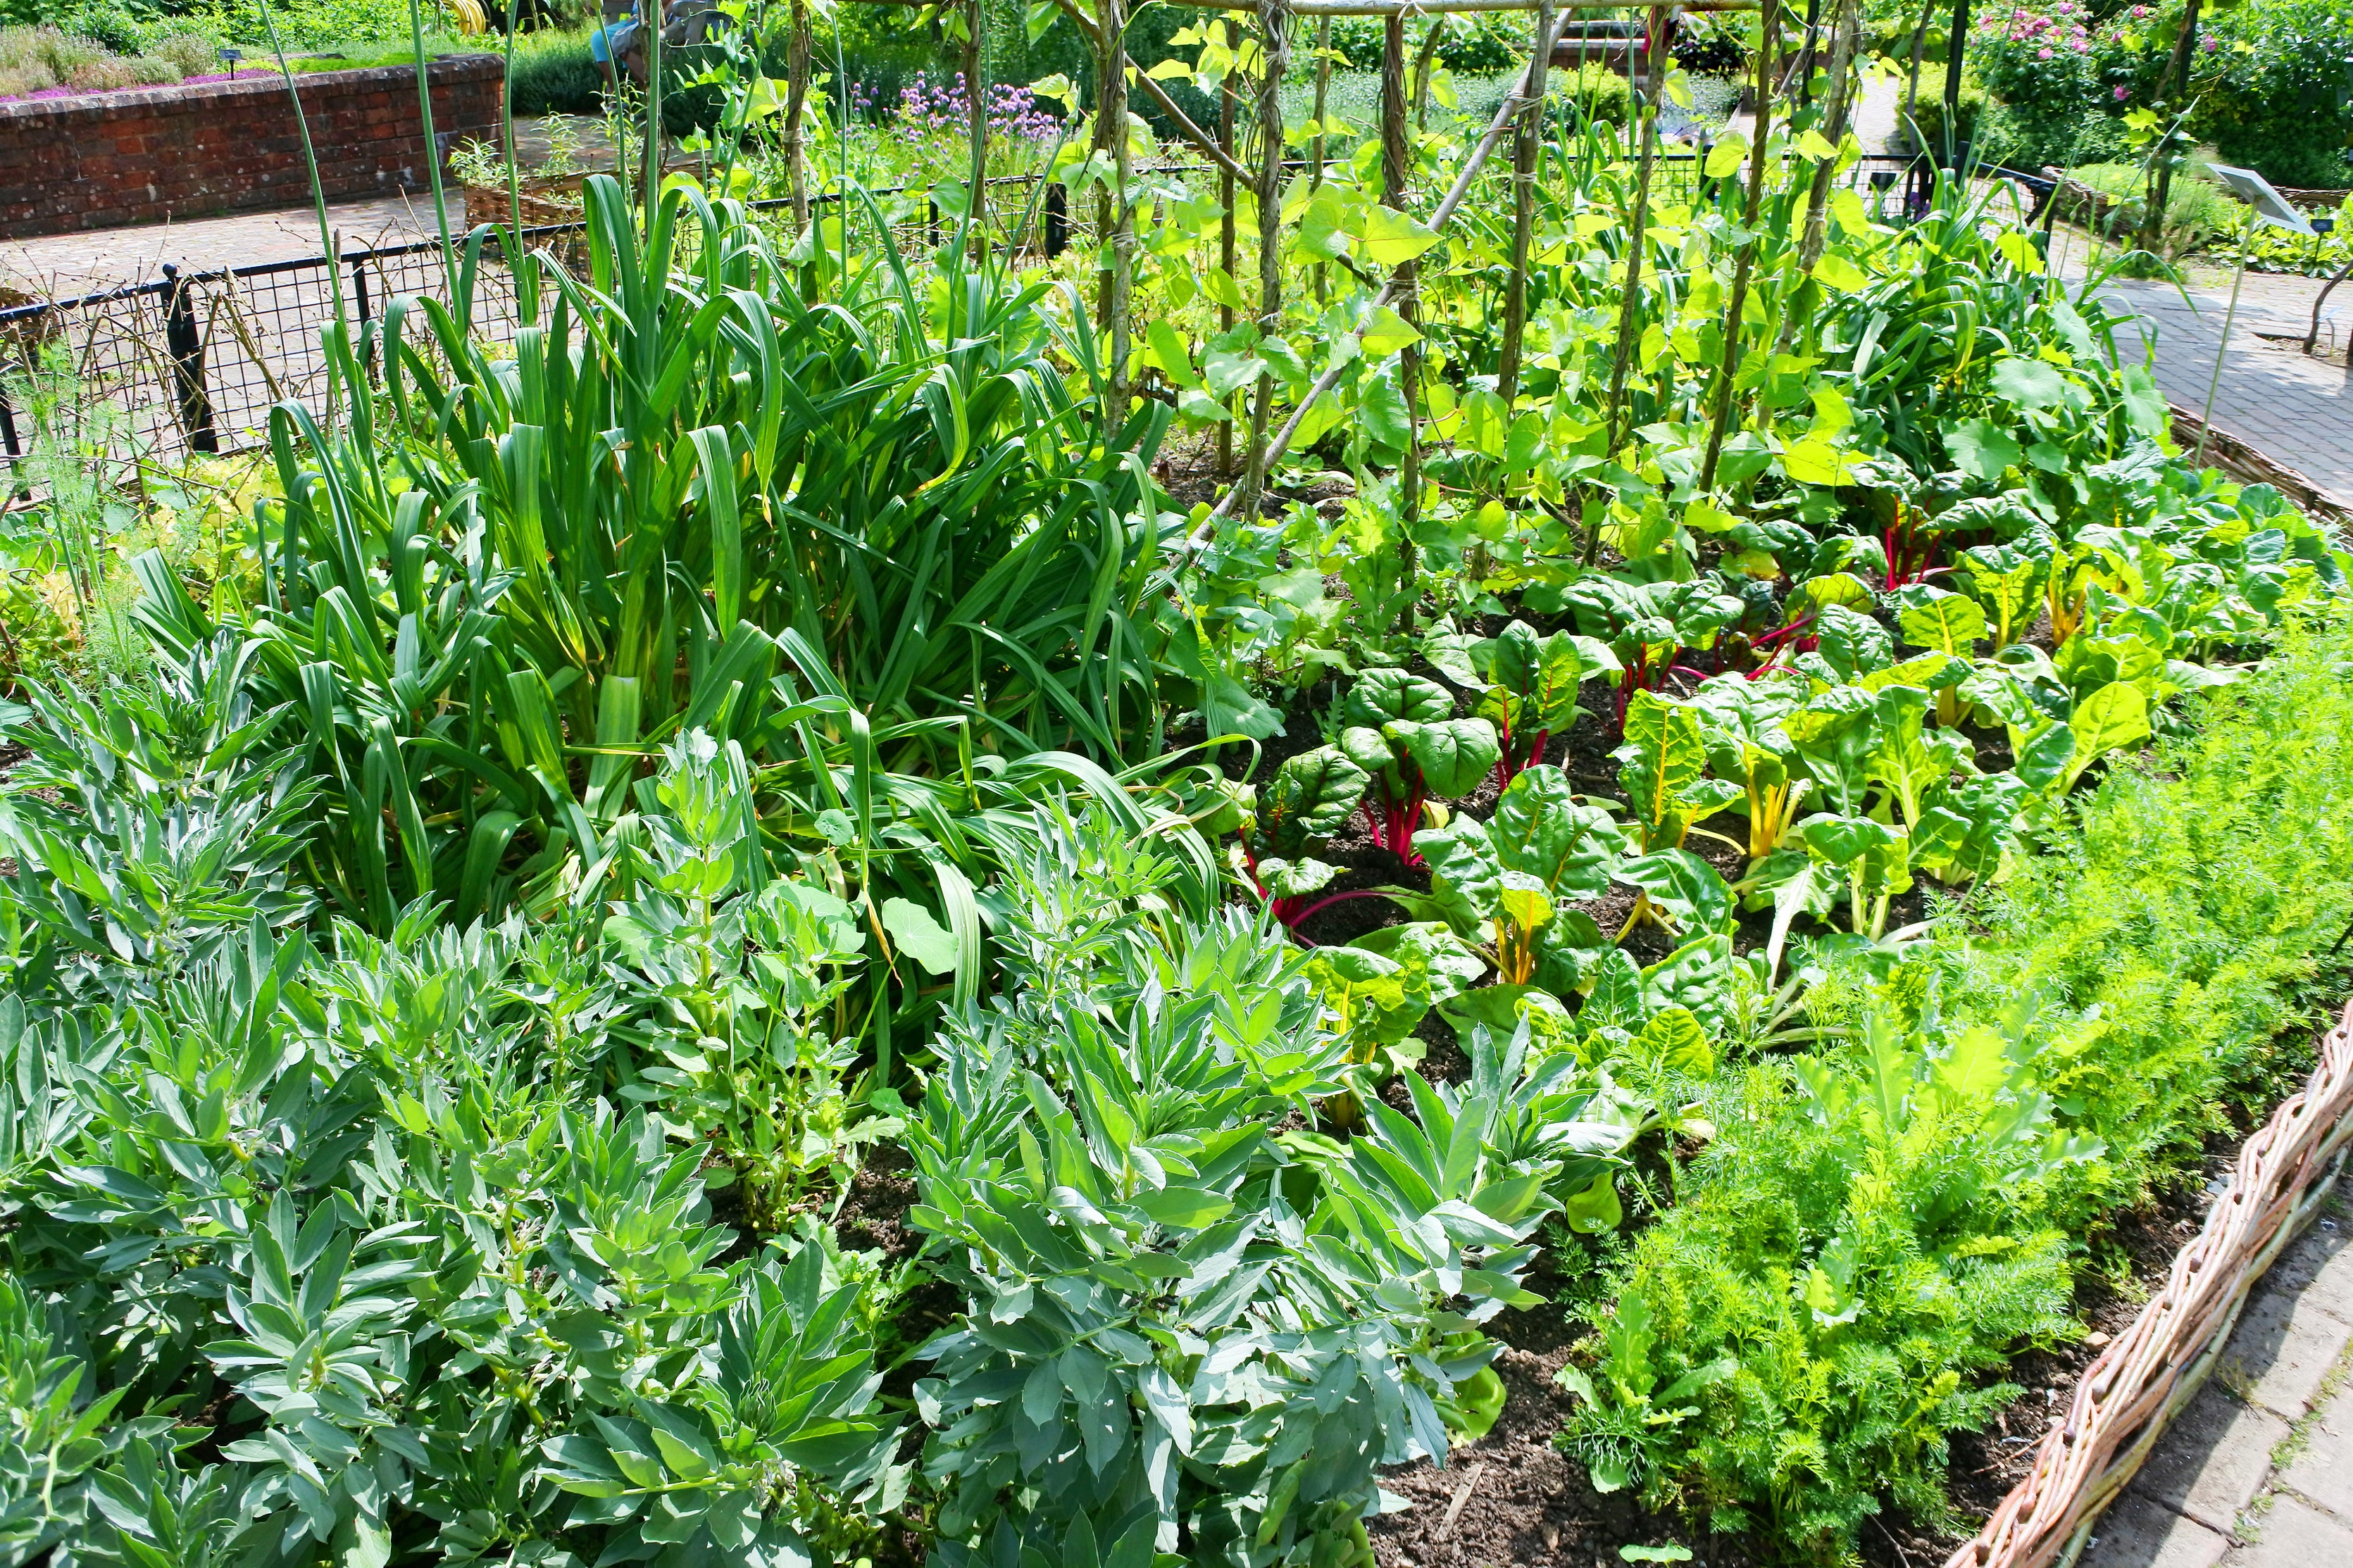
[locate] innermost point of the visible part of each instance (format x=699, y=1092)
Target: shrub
x=556, y=74
x=193, y=53
x=1882, y=1222
x=2197, y=209
x=2280, y=98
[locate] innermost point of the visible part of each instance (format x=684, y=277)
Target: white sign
x=2256, y=192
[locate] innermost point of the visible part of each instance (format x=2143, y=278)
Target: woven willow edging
x=2128, y=1395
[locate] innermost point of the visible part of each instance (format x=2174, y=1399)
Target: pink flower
x=2042, y=54
x=2121, y=94
x=2212, y=44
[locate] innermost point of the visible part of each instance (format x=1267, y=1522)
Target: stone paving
x=2297, y=409
x=2257, y=1473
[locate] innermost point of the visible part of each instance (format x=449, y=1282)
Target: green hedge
x=1878, y=1228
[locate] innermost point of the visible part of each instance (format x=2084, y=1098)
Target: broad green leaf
x=1453, y=754
x=1389, y=237
x=2029, y=382
x=2110, y=718
x=1388, y=332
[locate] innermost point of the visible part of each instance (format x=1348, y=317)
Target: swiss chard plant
x=1400, y=729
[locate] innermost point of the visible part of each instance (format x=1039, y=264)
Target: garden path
x=63, y=265
x=66, y=265
x=2257, y=1473
x=2297, y=410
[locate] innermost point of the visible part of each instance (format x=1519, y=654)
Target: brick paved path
x=2257, y=1473
x=2298, y=410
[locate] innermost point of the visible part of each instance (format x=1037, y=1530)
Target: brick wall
x=101, y=160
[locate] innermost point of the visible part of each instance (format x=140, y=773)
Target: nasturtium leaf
x=1979, y=448
x=2029, y=382
x=920, y=936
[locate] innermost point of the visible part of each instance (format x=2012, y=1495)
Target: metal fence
x=194, y=361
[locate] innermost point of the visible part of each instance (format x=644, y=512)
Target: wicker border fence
x=2142, y=1380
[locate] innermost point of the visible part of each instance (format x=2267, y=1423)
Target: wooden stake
x=1115, y=224
x=975, y=22
x=1629, y=301
x=1527, y=139
x=796, y=78
x=1227, y=98
x=1316, y=157
x=1396, y=167
x=2177, y=75
x=1727, y=369
x=1274, y=39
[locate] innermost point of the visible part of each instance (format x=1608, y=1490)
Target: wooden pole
x=1315, y=156
x=797, y=77
x=2152, y=223
x=1202, y=142
x=976, y=24
x=1396, y=168
x=1425, y=60
x=1728, y=368
x=1817, y=231
x=1115, y=224
x=1227, y=98
x=1911, y=87
x=1956, y=58
x=1629, y=300
x=1274, y=46
x=1527, y=139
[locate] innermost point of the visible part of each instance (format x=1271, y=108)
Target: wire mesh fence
x=193, y=361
